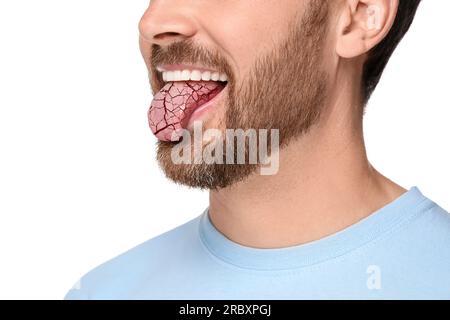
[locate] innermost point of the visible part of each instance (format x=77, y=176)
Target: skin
x=284, y=90
x=325, y=182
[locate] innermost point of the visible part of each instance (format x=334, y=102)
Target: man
x=261, y=102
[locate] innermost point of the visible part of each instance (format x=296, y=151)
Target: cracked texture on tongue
x=173, y=105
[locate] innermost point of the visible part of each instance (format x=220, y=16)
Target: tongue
x=172, y=107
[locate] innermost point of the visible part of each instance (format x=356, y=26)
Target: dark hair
x=380, y=55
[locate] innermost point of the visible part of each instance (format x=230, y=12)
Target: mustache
x=186, y=52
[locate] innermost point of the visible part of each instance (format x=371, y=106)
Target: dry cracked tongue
x=174, y=104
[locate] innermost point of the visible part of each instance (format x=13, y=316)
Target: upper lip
x=174, y=67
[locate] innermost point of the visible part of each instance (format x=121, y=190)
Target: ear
x=363, y=24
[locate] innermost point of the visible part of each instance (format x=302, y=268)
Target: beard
x=285, y=90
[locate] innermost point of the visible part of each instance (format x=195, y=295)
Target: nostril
x=166, y=35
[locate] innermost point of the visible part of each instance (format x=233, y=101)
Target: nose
x=167, y=21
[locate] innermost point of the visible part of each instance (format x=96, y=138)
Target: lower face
x=283, y=89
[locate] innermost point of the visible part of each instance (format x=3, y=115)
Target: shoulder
x=427, y=238
x=434, y=223
x=127, y=270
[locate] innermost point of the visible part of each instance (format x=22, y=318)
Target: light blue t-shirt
x=401, y=251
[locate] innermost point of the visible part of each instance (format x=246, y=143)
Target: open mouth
x=183, y=92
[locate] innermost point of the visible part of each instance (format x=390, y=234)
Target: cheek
x=246, y=30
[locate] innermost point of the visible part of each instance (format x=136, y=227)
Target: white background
x=79, y=183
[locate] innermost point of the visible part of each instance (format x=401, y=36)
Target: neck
x=325, y=183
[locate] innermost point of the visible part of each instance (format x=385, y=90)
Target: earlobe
x=363, y=24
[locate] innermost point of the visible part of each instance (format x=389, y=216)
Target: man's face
x=269, y=55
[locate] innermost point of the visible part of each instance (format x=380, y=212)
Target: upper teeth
x=193, y=75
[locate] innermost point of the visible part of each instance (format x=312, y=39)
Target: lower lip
x=201, y=112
